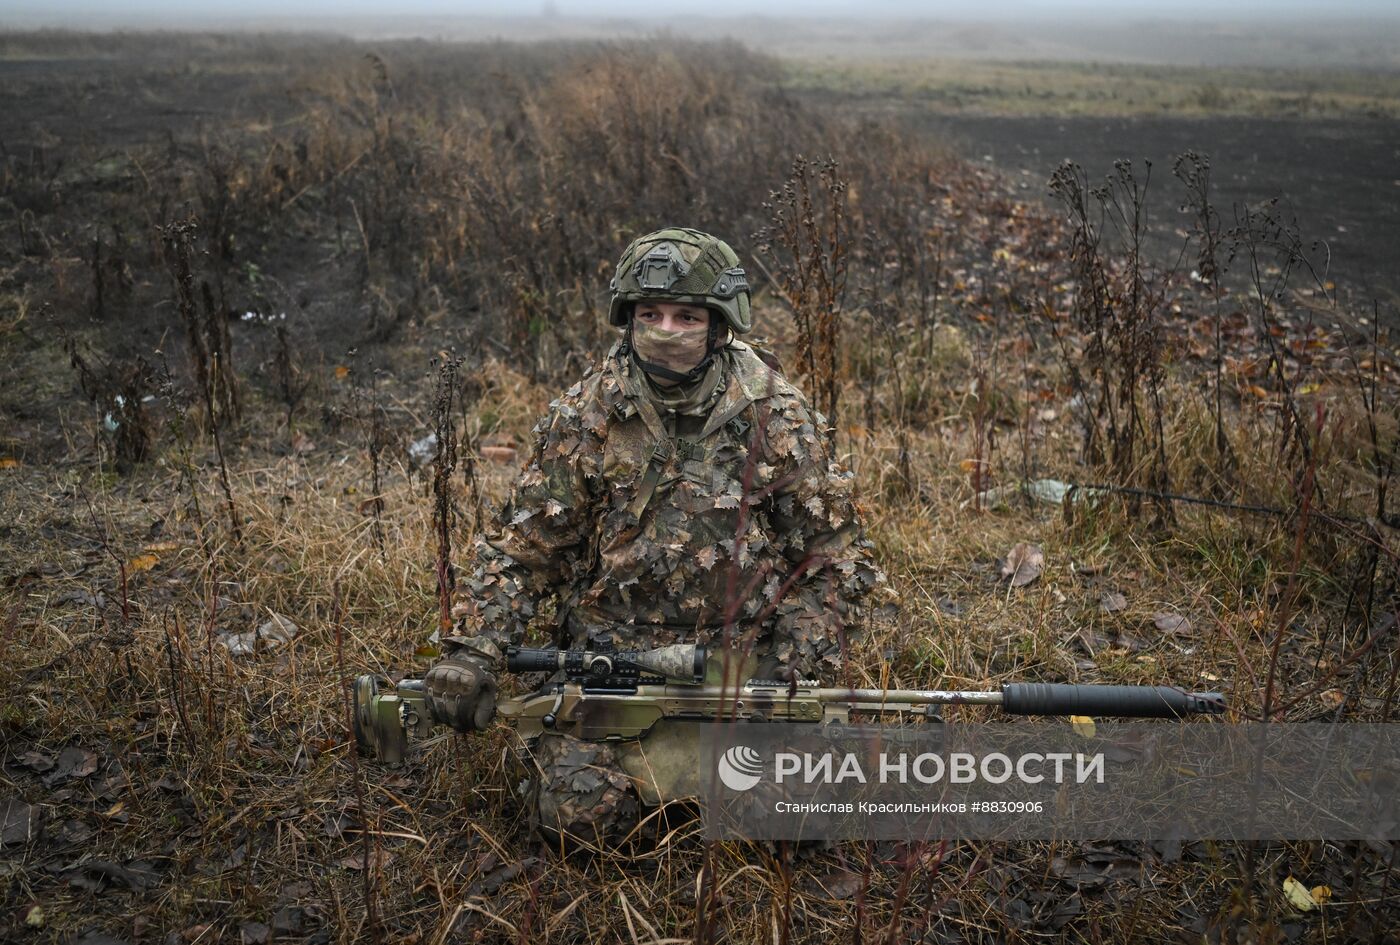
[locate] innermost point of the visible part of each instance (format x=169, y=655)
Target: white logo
x=740, y=768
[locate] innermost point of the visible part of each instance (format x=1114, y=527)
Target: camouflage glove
x=461, y=689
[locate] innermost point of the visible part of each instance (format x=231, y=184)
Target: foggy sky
x=674, y=15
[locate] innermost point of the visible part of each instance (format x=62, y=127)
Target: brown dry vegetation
x=417, y=202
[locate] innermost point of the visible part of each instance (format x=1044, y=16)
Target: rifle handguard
x=1144, y=702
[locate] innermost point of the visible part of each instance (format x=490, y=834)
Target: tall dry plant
x=209, y=349
x=206, y=328
x=1118, y=308
x=807, y=238
x=1193, y=170
x=1272, y=251
x=368, y=407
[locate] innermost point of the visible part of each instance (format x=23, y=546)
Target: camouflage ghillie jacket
x=652, y=526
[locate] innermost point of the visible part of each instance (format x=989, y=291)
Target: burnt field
x=1339, y=178
x=277, y=315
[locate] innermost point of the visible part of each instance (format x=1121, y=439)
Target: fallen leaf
x=1298, y=895
x=1129, y=642
x=1083, y=725
x=254, y=933
x=1332, y=698
x=356, y=861
x=34, y=918
x=162, y=547
x=427, y=652
x=1023, y=564
x=1075, y=872
x=72, y=762
x=36, y=761
x=19, y=822
x=301, y=443
x=95, y=875
x=841, y=884
x=142, y=563
x=82, y=599
x=288, y=920
x=99, y=938
x=73, y=831
x=337, y=822
x=9, y=462
x=1174, y=624
x=1321, y=894
x=1092, y=641
x=488, y=884
x=1112, y=602
x=341, y=372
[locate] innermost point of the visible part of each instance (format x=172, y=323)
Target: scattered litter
x=272, y=634
x=1045, y=491
x=422, y=451
x=1301, y=897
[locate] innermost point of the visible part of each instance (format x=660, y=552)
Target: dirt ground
x=1337, y=177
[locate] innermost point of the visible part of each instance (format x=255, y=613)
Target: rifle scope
x=684, y=662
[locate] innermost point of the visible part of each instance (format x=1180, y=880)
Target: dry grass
x=220, y=793
x=238, y=786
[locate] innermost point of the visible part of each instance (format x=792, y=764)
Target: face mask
x=678, y=351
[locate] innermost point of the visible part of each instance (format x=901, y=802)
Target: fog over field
x=1351, y=34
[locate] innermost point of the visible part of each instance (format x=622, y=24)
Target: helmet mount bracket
x=660, y=269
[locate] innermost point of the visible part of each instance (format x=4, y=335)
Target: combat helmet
x=682, y=265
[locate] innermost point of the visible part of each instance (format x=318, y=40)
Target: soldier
x=683, y=492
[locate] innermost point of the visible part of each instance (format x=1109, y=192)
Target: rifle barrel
x=1053, y=699
x=914, y=696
